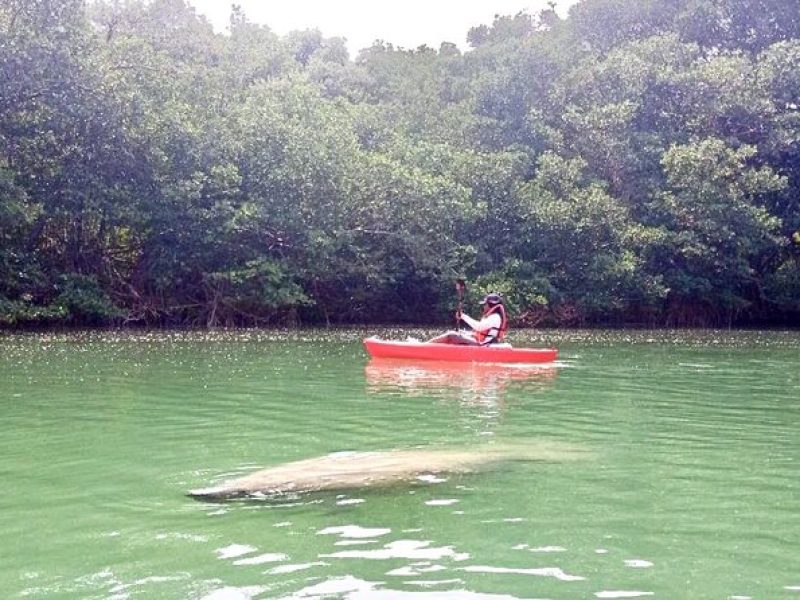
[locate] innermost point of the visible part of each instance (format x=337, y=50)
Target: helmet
x=492, y=299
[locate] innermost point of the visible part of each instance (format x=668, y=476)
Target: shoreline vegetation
x=635, y=164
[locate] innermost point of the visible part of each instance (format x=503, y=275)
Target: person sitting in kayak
x=489, y=330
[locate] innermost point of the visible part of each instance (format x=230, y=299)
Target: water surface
x=691, y=489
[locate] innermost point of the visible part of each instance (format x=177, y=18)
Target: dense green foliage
x=637, y=162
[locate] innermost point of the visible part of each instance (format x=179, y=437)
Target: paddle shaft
x=460, y=289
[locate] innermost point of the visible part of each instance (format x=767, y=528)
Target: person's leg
x=444, y=338
x=454, y=337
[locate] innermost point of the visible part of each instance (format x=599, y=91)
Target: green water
x=691, y=486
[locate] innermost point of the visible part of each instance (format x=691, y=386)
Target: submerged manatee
x=354, y=470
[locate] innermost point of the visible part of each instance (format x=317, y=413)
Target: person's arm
x=493, y=321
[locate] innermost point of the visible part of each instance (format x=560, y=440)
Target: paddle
x=461, y=287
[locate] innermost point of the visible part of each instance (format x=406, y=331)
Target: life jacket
x=493, y=334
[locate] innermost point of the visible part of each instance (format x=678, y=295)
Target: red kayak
x=494, y=353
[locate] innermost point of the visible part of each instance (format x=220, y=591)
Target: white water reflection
x=542, y=572
x=235, y=593
x=410, y=549
x=352, y=588
x=637, y=563
x=416, y=569
x=354, y=542
x=450, y=582
x=261, y=559
x=539, y=548
x=347, y=585
x=355, y=531
x=235, y=551
x=442, y=502
x=283, y=569
x=349, y=501
x=431, y=478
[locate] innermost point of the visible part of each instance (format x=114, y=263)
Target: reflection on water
x=352, y=588
x=691, y=490
x=476, y=382
x=479, y=389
